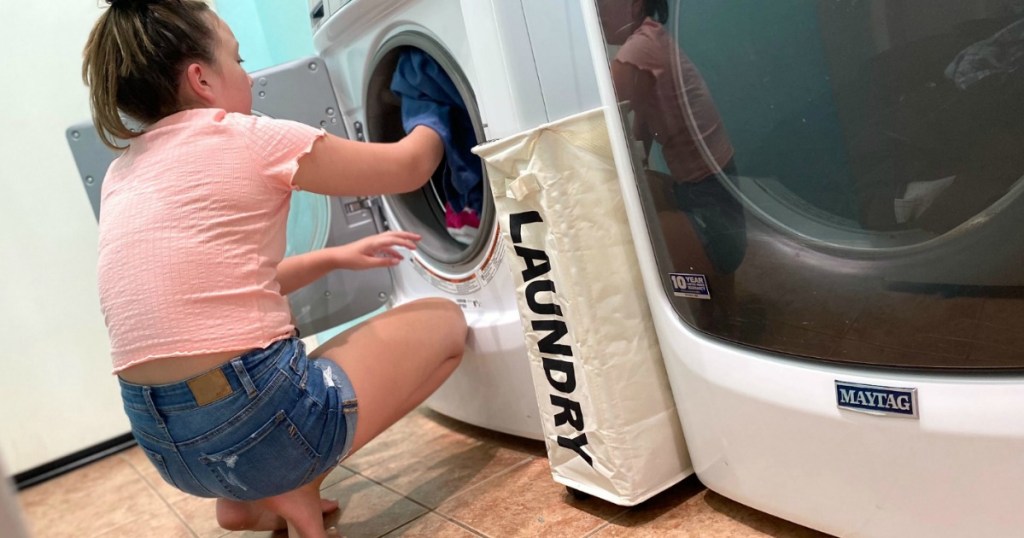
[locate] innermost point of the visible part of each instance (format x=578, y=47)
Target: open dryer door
x=300, y=91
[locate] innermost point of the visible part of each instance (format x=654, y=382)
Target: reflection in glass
x=309, y=221
x=844, y=174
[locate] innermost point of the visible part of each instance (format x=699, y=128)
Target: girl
x=220, y=393
x=701, y=221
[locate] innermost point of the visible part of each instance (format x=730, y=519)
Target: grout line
x=527, y=461
x=458, y=523
x=148, y=485
x=392, y=490
x=464, y=526
x=331, y=485
x=601, y=527
x=389, y=531
x=385, y=486
x=161, y=497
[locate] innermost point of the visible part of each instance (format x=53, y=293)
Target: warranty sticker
x=690, y=285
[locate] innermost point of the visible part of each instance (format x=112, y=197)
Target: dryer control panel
x=321, y=10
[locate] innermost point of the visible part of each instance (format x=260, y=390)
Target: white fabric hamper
x=609, y=419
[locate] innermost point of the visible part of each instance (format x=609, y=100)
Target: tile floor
x=427, y=476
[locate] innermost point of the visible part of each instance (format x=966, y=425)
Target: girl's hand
x=375, y=251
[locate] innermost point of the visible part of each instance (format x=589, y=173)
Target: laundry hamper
x=609, y=419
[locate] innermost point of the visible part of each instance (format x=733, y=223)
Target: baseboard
x=83, y=457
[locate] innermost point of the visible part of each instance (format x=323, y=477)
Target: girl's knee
x=448, y=317
x=446, y=309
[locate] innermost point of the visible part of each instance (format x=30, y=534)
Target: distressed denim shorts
x=260, y=425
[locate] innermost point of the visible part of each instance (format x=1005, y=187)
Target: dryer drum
x=423, y=211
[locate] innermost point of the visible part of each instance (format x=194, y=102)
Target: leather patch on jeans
x=210, y=387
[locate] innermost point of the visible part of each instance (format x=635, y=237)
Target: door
x=836, y=181
x=300, y=91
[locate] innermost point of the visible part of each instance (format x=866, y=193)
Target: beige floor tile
x=162, y=524
x=404, y=437
x=331, y=533
x=91, y=500
x=424, y=428
x=444, y=462
x=440, y=474
x=137, y=459
x=527, y=502
x=200, y=515
x=689, y=510
x=337, y=475
x=431, y=526
x=430, y=458
x=369, y=509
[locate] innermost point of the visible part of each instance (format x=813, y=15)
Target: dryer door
x=299, y=91
x=853, y=193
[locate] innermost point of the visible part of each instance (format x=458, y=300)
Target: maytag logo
x=876, y=400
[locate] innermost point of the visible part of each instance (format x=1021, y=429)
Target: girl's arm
x=339, y=167
x=378, y=250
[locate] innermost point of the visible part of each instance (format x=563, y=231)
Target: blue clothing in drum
x=260, y=425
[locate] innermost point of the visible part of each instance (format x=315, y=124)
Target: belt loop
x=147, y=394
x=243, y=376
x=293, y=363
x=297, y=364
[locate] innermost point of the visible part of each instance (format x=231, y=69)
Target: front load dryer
x=489, y=51
x=840, y=303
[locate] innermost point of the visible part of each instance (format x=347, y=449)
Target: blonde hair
x=134, y=59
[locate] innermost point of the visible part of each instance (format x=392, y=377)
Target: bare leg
x=301, y=509
x=397, y=359
x=394, y=361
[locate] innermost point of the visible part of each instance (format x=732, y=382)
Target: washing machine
x=516, y=64
x=860, y=369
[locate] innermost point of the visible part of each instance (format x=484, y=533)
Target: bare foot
x=246, y=516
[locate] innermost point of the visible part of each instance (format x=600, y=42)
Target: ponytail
x=134, y=58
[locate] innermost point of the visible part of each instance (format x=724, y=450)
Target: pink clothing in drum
x=678, y=111
x=192, y=227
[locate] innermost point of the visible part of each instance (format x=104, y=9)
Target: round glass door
x=456, y=235
x=833, y=180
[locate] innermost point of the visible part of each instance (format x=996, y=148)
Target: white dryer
x=861, y=371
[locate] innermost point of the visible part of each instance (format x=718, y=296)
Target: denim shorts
x=717, y=217
x=260, y=425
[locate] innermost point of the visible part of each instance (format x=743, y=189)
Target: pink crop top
x=192, y=227
x=680, y=111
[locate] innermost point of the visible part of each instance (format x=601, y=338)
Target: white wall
x=56, y=392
